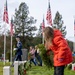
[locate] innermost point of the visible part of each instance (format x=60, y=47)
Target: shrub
x=69, y=66
x=73, y=59
x=8, y=55
x=23, y=67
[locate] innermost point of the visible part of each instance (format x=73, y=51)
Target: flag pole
x=42, y=38
x=74, y=45
x=5, y=19
x=4, y=45
x=11, y=32
x=43, y=26
x=43, y=33
x=74, y=36
x=11, y=51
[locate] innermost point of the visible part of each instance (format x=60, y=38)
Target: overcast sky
x=39, y=7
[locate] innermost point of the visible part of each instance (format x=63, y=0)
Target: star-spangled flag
x=11, y=27
x=43, y=24
x=5, y=15
x=49, y=16
x=74, y=27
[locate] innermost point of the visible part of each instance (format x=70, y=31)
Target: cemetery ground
x=36, y=70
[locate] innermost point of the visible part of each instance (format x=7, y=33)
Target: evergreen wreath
x=23, y=67
x=47, y=59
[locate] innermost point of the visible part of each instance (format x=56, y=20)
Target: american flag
x=11, y=27
x=5, y=15
x=43, y=24
x=74, y=28
x=49, y=16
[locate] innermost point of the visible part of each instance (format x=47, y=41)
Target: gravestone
x=16, y=64
x=16, y=67
x=6, y=70
x=24, y=54
x=73, y=66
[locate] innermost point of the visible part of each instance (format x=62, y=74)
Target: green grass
x=37, y=70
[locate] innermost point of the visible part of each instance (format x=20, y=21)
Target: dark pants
x=59, y=70
x=33, y=60
x=39, y=60
x=18, y=57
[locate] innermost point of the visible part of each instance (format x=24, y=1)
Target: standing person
x=62, y=54
x=32, y=56
x=37, y=55
x=19, y=49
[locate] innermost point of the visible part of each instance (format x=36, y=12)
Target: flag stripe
x=49, y=16
x=5, y=15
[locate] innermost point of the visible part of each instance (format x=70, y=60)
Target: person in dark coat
x=18, y=50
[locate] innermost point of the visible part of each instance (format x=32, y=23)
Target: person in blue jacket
x=18, y=50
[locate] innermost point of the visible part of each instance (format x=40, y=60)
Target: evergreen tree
x=23, y=23
x=39, y=34
x=58, y=23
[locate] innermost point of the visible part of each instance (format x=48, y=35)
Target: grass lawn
x=37, y=70
x=43, y=71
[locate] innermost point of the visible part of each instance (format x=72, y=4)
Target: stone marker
x=16, y=67
x=24, y=54
x=73, y=66
x=6, y=70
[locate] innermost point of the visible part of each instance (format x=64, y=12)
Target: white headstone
x=16, y=67
x=6, y=70
x=73, y=66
